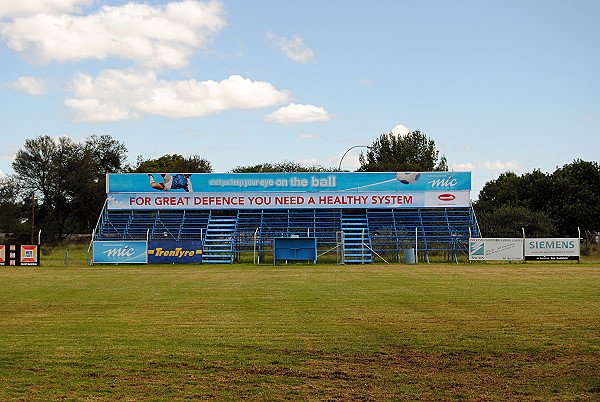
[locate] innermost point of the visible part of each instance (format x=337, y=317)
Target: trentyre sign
x=174, y=252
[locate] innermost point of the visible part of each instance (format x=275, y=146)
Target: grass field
x=300, y=332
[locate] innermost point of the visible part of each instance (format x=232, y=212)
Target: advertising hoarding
x=150, y=201
x=496, y=249
x=552, y=249
x=20, y=254
x=174, y=252
x=288, y=182
x=120, y=252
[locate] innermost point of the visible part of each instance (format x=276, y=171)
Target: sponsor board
x=434, y=199
x=20, y=254
x=288, y=182
x=497, y=249
x=120, y=252
x=150, y=201
x=174, y=252
x=552, y=249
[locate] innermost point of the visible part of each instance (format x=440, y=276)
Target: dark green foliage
x=413, y=152
x=509, y=221
x=577, y=196
x=68, y=180
x=280, y=167
x=173, y=164
x=569, y=197
x=15, y=212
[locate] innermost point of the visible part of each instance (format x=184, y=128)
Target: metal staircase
x=219, y=239
x=356, y=244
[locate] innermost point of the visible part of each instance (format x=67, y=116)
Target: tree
x=280, y=167
x=173, y=164
x=500, y=192
x=570, y=196
x=68, y=179
x=14, y=211
x=576, y=197
x=413, y=152
x=510, y=220
x=533, y=191
x=104, y=155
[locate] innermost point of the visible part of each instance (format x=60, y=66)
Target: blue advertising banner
x=120, y=252
x=174, y=252
x=288, y=182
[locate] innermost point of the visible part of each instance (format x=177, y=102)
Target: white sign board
x=495, y=249
x=551, y=249
x=323, y=199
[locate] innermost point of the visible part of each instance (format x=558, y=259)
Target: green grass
x=301, y=332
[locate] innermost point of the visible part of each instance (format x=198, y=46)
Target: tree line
x=59, y=186
x=543, y=204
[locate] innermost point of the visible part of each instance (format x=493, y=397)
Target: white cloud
x=295, y=113
x=511, y=165
x=462, y=167
x=309, y=161
x=294, y=47
x=154, y=37
x=400, y=130
x=351, y=159
x=15, y=8
x=310, y=136
x=116, y=95
x=31, y=85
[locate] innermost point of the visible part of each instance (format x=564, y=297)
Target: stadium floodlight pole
x=352, y=147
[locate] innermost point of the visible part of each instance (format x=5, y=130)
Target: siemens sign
x=552, y=249
x=120, y=252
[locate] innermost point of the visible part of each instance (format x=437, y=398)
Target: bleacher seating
x=388, y=231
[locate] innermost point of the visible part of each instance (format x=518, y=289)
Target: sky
x=498, y=85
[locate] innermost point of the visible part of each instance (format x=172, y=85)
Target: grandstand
x=356, y=217
x=359, y=236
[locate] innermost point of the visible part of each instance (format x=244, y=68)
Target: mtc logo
x=120, y=252
x=449, y=182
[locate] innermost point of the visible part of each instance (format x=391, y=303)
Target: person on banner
x=172, y=182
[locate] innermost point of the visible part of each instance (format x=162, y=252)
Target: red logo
x=446, y=197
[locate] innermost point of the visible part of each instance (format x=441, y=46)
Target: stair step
x=356, y=239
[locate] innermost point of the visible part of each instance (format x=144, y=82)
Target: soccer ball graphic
x=408, y=177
